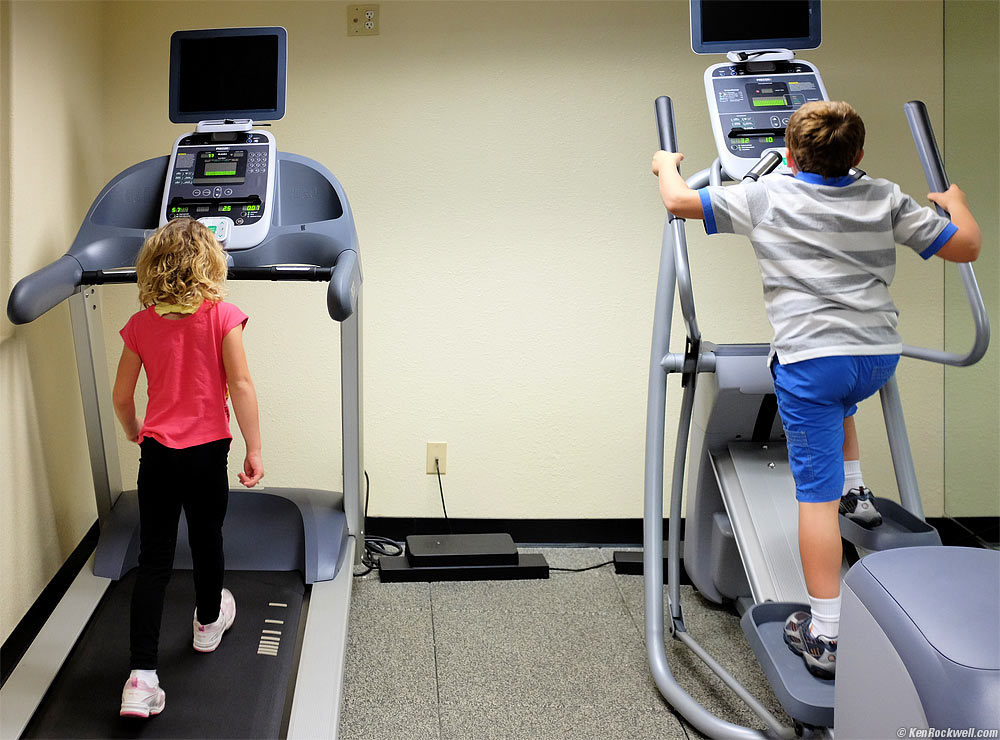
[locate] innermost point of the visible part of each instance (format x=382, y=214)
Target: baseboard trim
x=31, y=623
x=964, y=532
x=525, y=532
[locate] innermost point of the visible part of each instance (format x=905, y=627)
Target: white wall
x=52, y=163
x=496, y=155
x=972, y=120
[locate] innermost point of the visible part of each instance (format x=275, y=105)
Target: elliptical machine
x=740, y=542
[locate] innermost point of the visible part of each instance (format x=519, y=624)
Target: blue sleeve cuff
x=942, y=239
x=706, y=207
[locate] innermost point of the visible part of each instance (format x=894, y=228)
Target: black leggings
x=195, y=479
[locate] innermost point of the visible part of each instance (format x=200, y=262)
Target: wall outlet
x=438, y=451
x=362, y=20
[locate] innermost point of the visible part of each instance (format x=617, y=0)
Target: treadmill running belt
x=234, y=692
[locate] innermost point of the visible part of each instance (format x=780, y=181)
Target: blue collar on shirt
x=813, y=179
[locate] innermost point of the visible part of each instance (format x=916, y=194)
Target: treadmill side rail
x=319, y=683
x=27, y=684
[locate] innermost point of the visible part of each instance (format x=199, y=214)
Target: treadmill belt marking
x=270, y=640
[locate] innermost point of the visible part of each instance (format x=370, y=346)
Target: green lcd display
x=768, y=102
x=220, y=168
x=252, y=208
x=225, y=208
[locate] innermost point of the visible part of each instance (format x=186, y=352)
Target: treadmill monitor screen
x=228, y=73
x=720, y=26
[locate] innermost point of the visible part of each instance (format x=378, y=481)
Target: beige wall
x=53, y=144
x=496, y=155
x=972, y=120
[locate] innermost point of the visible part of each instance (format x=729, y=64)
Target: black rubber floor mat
x=238, y=691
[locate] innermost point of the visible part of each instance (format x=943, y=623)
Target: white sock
x=852, y=475
x=147, y=677
x=825, y=616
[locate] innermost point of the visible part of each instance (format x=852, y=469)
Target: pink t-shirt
x=184, y=370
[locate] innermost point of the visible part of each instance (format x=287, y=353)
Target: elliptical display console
x=752, y=96
x=749, y=107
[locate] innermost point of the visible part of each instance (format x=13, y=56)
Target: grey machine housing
x=931, y=671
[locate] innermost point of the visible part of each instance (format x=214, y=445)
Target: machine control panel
x=229, y=175
x=750, y=104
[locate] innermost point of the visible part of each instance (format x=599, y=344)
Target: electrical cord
x=437, y=467
x=375, y=546
x=581, y=570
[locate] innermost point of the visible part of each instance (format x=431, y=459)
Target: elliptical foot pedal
x=899, y=528
x=807, y=699
x=461, y=557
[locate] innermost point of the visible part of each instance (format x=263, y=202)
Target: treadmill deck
x=238, y=691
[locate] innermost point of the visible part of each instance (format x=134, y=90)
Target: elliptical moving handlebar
x=937, y=181
x=668, y=142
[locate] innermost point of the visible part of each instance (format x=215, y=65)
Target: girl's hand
x=664, y=159
x=132, y=432
x=253, y=470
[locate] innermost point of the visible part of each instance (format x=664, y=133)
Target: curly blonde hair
x=825, y=137
x=181, y=263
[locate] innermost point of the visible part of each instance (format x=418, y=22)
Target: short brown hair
x=181, y=263
x=825, y=137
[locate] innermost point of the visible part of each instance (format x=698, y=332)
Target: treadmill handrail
x=937, y=181
x=44, y=289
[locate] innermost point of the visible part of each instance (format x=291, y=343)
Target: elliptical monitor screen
x=228, y=73
x=721, y=26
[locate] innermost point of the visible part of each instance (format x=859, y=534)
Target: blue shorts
x=814, y=398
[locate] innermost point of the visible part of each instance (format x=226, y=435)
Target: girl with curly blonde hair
x=190, y=343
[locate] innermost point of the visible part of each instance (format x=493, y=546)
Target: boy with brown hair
x=826, y=243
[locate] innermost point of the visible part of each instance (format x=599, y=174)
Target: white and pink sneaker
x=139, y=699
x=208, y=636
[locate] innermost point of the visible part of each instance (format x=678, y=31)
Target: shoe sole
x=210, y=647
x=866, y=525
x=140, y=711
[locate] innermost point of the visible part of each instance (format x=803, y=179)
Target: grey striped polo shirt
x=827, y=254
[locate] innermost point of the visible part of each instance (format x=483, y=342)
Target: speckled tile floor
x=529, y=660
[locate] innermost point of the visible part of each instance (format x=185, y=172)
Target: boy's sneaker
x=858, y=505
x=139, y=699
x=818, y=651
x=208, y=636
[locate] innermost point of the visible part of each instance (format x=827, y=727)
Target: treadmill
x=289, y=551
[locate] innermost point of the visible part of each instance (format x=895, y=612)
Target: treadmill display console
x=750, y=104
x=231, y=176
